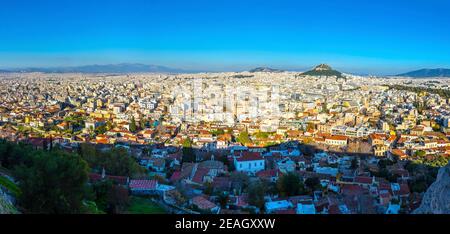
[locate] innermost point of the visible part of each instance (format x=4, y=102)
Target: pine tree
x=133, y=126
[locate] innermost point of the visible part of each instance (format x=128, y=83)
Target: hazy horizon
x=229, y=69
x=380, y=38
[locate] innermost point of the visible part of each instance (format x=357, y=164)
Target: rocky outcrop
x=437, y=198
x=6, y=205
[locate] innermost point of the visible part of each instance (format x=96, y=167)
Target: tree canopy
x=50, y=181
x=256, y=193
x=188, y=151
x=290, y=185
x=244, y=138
x=116, y=161
x=133, y=126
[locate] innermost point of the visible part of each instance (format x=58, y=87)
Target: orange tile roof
x=337, y=138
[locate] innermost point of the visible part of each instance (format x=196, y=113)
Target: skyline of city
x=361, y=38
x=268, y=142
x=225, y=108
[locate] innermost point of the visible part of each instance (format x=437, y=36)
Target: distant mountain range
x=109, y=68
x=323, y=70
x=124, y=68
x=265, y=69
x=423, y=73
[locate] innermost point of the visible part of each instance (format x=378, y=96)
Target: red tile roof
x=267, y=173
x=203, y=203
x=250, y=156
x=199, y=174
x=384, y=186
x=337, y=138
x=334, y=209
x=377, y=136
x=175, y=176
x=94, y=177
x=349, y=189
x=399, y=153
x=363, y=180
x=143, y=184
x=221, y=182
x=288, y=211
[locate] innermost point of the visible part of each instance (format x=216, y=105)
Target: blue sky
x=376, y=37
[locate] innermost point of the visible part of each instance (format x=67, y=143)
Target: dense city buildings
x=265, y=141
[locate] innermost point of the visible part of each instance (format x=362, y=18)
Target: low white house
x=336, y=140
x=326, y=170
x=306, y=208
x=273, y=206
x=250, y=162
x=286, y=165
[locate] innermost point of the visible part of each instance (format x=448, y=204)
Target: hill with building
x=323, y=70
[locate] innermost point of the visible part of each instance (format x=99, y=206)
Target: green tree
x=100, y=129
x=325, y=108
x=228, y=163
x=240, y=181
x=12, y=154
x=54, y=182
x=101, y=190
x=208, y=188
x=262, y=135
x=354, y=164
x=244, y=138
x=313, y=183
x=419, y=185
x=143, y=123
x=116, y=161
x=290, y=185
x=436, y=127
x=223, y=199
x=109, y=125
x=420, y=153
x=188, y=151
x=218, y=132
x=110, y=198
x=256, y=193
x=133, y=127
